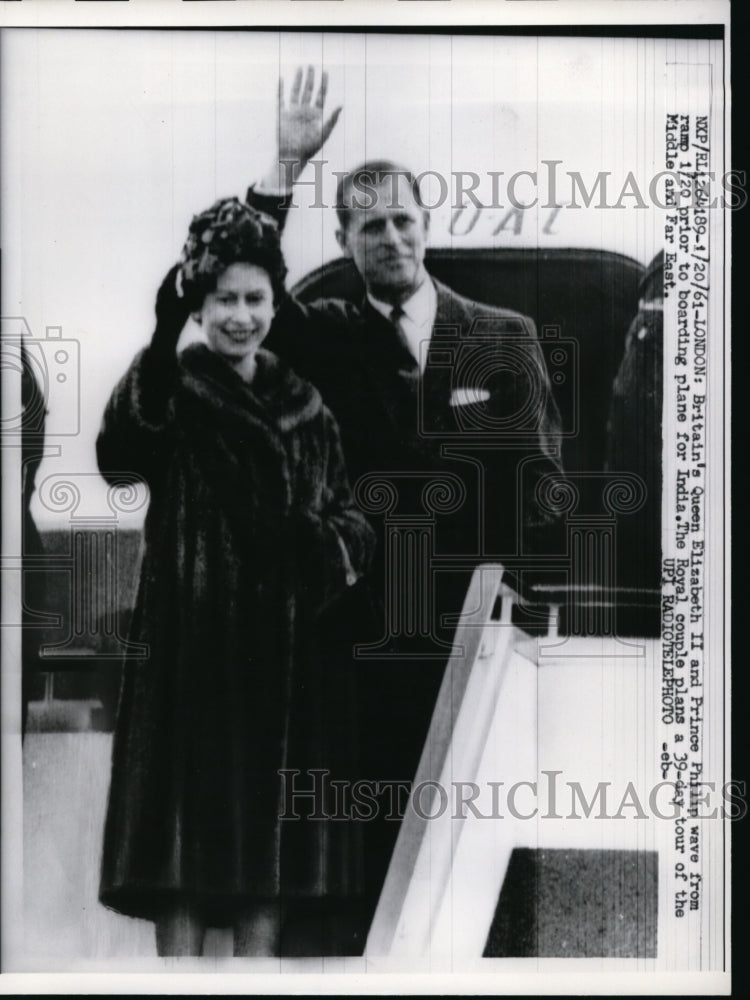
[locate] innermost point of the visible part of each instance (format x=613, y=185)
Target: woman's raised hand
x=171, y=307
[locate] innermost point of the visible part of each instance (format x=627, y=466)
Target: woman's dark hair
x=230, y=232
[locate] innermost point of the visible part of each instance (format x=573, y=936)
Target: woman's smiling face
x=237, y=315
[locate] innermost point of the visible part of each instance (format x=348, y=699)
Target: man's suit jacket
x=485, y=392
x=484, y=395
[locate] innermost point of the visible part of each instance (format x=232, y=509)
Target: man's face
x=387, y=241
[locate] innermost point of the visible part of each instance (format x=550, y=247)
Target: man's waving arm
x=301, y=131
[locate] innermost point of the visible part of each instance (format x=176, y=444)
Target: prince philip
x=441, y=401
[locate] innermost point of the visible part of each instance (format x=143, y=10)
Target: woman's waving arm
x=136, y=423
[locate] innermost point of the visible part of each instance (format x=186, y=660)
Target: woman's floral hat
x=229, y=232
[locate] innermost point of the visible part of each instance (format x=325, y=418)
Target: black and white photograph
x=365, y=463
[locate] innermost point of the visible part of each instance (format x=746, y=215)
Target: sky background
x=112, y=140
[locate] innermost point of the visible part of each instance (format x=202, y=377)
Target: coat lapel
x=397, y=403
x=383, y=339
x=451, y=322
x=383, y=357
x=422, y=404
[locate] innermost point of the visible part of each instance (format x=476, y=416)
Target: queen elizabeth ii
x=251, y=530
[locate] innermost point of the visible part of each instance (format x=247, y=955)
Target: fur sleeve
x=137, y=426
x=335, y=545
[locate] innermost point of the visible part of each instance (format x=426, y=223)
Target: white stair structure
x=515, y=717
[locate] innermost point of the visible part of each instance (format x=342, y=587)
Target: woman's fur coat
x=251, y=531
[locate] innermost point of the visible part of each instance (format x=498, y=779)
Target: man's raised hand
x=301, y=127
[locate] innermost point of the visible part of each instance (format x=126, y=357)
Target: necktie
x=410, y=362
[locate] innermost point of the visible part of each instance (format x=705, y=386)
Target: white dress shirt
x=417, y=320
